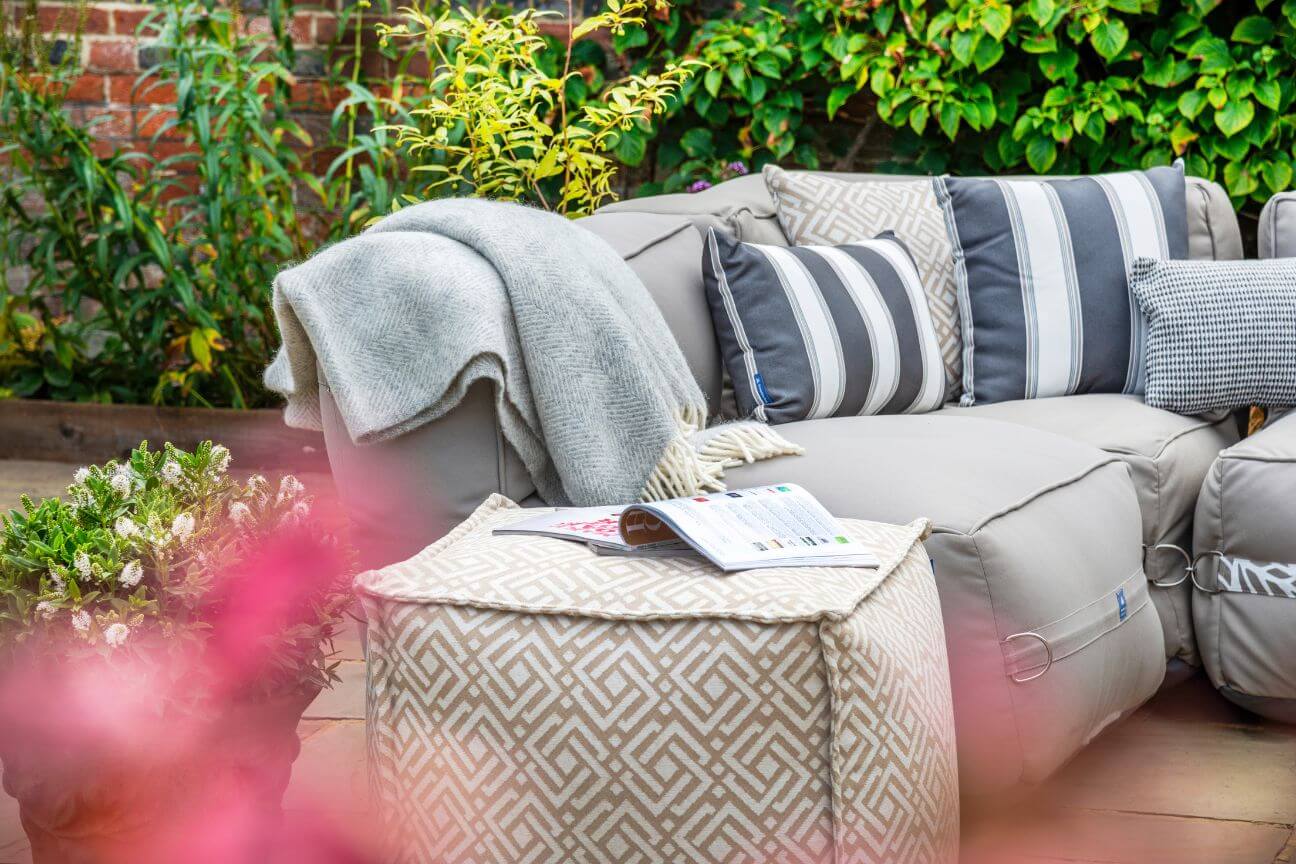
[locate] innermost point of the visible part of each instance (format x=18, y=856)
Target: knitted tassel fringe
x=695, y=460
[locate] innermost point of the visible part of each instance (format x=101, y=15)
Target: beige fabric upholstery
x=1246, y=513
x=531, y=701
x=744, y=207
x=1168, y=456
x=1276, y=235
x=1032, y=533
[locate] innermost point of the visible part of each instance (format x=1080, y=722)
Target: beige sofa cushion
x=1167, y=454
x=1276, y=235
x=1010, y=557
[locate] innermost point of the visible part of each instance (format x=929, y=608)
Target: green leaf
x=988, y=53
x=1159, y=72
x=838, y=97
x=963, y=44
x=1277, y=175
x=1040, y=10
x=1109, y=38
x=1253, y=30
x=1212, y=54
x=949, y=118
x=1235, y=116
x=1240, y=180
x=697, y=143
x=996, y=20
x=1041, y=153
x=918, y=117
x=1268, y=94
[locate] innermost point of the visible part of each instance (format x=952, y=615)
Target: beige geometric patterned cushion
x=817, y=210
x=531, y=701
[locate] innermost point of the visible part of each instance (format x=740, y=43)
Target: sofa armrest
x=403, y=493
x=1277, y=234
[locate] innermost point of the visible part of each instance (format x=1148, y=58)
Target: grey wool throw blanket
x=591, y=388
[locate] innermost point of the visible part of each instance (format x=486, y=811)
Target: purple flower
x=737, y=168
x=699, y=185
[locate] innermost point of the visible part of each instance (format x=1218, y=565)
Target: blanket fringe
x=689, y=467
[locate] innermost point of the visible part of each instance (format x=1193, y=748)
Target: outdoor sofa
x=1062, y=526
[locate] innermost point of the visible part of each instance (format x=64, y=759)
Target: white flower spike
x=46, y=609
x=131, y=574
x=182, y=526
x=121, y=483
x=220, y=456
x=81, y=476
x=81, y=621
x=82, y=564
x=171, y=472
x=239, y=513
x=116, y=634
x=125, y=528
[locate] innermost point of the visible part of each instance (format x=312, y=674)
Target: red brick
x=121, y=88
x=302, y=29
x=150, y=121
x=63, y=18
x=127, y=21
x=326, y=29
x=111, y=55
x=87, y=88
x=110, y=122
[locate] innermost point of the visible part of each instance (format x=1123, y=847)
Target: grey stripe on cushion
x=823, y=331
x=1042, y=271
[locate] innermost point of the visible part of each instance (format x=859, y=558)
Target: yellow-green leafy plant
x=509, y=118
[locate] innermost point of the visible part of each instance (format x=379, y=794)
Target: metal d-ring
x=1192, y=571
x=1048, y=652
x=1162, y=547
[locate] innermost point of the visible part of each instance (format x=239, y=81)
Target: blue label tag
x=1121, y=607
x=760, y=388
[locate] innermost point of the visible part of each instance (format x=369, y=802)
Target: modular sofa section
x=1038, y=561
x=1245, y=573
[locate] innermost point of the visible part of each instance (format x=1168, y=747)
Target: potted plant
x=162, y=630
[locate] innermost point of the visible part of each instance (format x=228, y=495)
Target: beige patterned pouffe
x=530, y=701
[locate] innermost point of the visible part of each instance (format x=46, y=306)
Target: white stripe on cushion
x=1051, y=284
x=1142, y=232
x=932, y=394
x=817, y=329
x=885, y=343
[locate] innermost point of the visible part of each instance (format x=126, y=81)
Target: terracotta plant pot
x=193, y=790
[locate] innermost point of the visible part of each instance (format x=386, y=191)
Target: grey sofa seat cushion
x=744, y=207
x=1276, y=236
x=1244, y=537
x=1009, y=557
x=1167, y=454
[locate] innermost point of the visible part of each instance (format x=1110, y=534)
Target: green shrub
x=986, y=85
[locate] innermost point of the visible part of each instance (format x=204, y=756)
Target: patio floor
x=1189, y=779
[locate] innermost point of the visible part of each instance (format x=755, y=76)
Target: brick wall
x=112, y=58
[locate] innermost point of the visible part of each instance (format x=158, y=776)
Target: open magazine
x=781, y=525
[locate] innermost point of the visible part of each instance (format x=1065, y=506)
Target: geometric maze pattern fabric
x=816, y=210
x=505, y=735
x=1267, y=578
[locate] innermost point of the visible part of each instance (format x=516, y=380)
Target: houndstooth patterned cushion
x=816, y=210
x=1221, y=334
x=530, y=701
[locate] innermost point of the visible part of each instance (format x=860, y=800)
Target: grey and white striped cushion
x=1221, y=334
x=823, y=331
x=1042, y=271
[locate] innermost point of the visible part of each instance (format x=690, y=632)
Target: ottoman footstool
x=1245, y=571
x=530, y=701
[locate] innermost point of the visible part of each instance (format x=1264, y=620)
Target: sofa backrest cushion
x=744, y=207
x=666, y=253
x=1277, y=234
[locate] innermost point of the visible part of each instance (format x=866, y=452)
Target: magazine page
x=766, y=526
x=597, y=526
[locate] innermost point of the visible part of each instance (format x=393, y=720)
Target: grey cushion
x=823, y=331
x=1245, y=608
x=744, y=206
x=1276, y=235
x=1010, y=557
x=1041, y=268
x=1221, y=334
x=1167, y=454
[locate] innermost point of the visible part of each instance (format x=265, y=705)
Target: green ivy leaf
x=838, y=97
x=963, y=44
x=1212, y=54
x=1041, y=11
x=1159, y=72
x=949, y=118
x=1240, y=180
x=988, y=53
x=1041, y=153
x=1277, y=175
x=697, y=143
x=1253, y=30
x=1268, y=94
x=996, y=20
x=1235, y=116
x=918, y=117
x=1109, y=38
x=1060, y=64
